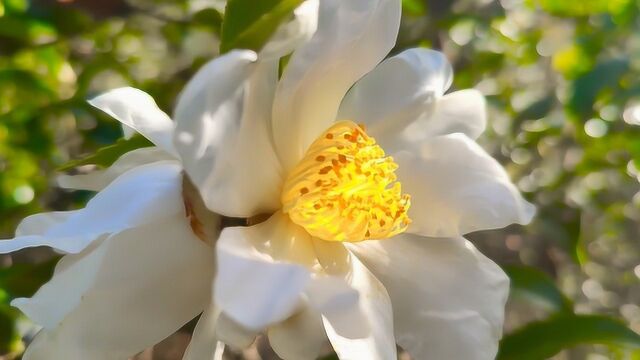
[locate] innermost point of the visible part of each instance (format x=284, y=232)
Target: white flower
x=336, y=256
x=139, y=258
x=134, y=270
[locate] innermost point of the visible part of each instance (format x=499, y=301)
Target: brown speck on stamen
x=320, y=158
x=329, y=136
x=303, y=191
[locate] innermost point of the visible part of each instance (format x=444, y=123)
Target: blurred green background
x=563, y=87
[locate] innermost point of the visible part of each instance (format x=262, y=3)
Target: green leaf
x=10, y=341
x=22, y=280
x=413, y=7
x=585, y=89
x=248, y=24
x=537, y=286
x=210, y=18
x=107, y=155
x=543, y=339
x=582, y=8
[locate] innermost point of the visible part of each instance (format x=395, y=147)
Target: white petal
x=56, y=298
x=293, y=33
x=223, y=134
x=401, y=90
x=204, y=342
x=252, y=286
x=448, y=299
x=144, y=194
x=39, y=224
x=137, y=110
x=301, y=337
x=340, y=305
x=99, y=179
x=457, y=188
x=146, y=283
x=375, y=304
x=233, y=334
x=352, y=37
x=461, y=111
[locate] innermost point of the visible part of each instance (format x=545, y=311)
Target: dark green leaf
x=109, y=154
x=9, y=336
x=413, y=7
x=210, y=18
x=537, y=110
x=22, y=280
x=248, y=24
x=537, y=286
x=543, y=339
x=586, y=88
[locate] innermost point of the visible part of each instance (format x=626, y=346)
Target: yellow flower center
x=345, y=188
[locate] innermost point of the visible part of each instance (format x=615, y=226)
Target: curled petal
x=448, y=299
x=457, y=188
x=99, y=179
x=137, y=110
x=144, y=194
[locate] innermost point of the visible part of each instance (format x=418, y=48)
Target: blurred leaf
x=210, y=18
x=413, y=7
x=537, y=110
x=583, y=7
x=537, y=286
x=15, y=6
x=106, y=156
x=587, y=87
x=248, y=24
x=543, y=339
x=26, y=29
x=22, y=280
x=10, y=341
x=571, y=61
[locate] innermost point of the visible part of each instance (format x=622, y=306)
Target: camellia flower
x=359, y=179
x=138, y=264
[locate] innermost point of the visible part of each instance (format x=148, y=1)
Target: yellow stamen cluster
x=345, y=189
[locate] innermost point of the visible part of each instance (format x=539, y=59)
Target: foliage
x=249, y=24
x=559, y=332
x=560, y=78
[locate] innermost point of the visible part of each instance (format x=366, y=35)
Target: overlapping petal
x=124, y=305
x=204, y=342
x=254, y=284
x=401, y=90
x=448, y=299
x=380, y=343
x=137, y=110
x=233, y=334
x=301, y=337
x=457, y=188
x=97, y=180
x=137, y=197
x=223, y=137
x=293, y=33
x=352, y=37
x=272, y=271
